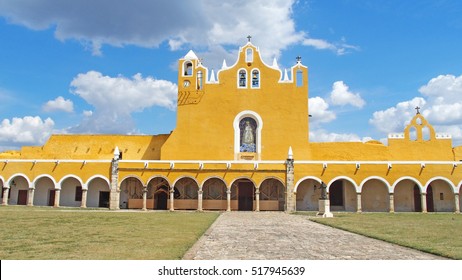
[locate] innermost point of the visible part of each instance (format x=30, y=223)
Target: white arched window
x=249, y=55
x=242, y=78
x=187, y=68
x=255, y=78
x=247, y=132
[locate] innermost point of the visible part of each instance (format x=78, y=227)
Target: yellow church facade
x=240, y=143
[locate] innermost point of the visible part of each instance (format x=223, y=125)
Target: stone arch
x=441, y=197
x=18, y=185
x=308, y=192
x=45, y=190
x=97, y=176
x=375, y=196
x=98, y=192
x=71, y=191
x=243, y=194
x=342, y=192
x=158, y=196
x=272, y=194
x=214, y=194
x=131, y=193
x=406, y=198
x=186, y=193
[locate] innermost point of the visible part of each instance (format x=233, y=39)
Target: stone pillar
x=84, y=198
x=57, y=197
x=257, y=200
x=114, y=195
x=324, y=203
x=228, y=200
x=392, y=203
x=290, y=199
x=6, y=192
x=145, y=196
x=199, y=200
x=359, y=208
x=30, y=197
x=423, y=197
x=172, y=196
x=456, y=201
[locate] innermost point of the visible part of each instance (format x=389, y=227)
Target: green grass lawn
x=47, y=233
x=436, y=233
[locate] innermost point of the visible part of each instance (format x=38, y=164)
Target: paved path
x=276, y=235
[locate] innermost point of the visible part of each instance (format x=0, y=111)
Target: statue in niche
x=247, y=127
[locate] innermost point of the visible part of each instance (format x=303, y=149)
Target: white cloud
x=319, y=110
x=341, y=95
x=115, y=98
x=149, y=23
x=59, y=104
x=321, y=135
x=28, y=130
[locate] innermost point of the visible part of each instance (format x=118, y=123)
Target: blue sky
x=101, y=66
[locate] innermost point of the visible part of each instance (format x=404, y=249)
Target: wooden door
x=160, y=201
x=103, y=199
x=22, y=197
x=245, y=196
x=51, y=198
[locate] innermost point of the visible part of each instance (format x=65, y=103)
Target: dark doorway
x=245, y=196
x=336, y=193
x=22, y=197
x=51, y=198
x=430, y=206
x=160, y=200
x=103, y=199
x=417, y=199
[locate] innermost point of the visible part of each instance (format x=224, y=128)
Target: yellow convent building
x=240, y=143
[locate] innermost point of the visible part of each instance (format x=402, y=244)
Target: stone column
x=257, y=200
x=172, y=196
x=199, y=200
x=456, y=201
x=57, y=197
x=423, y=197
x=84, y=198
x=359, y=208
x=228, y=200
x=290, y=175
x=30, y=197
x=114, y=195
x=145, y=196
x=6, y=192
x=392, y=203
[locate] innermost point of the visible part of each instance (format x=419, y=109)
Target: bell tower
x=191, y=79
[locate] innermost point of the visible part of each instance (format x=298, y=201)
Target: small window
x=249, y=55
x=199, y=79
x=255, y=79
x=441, y=196
x=242, y=79
x=299, y=78
x=188, y=68
x=78, y=193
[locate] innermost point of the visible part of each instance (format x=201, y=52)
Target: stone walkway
x=280, y=236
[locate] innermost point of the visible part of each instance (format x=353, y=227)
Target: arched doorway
x=71, y=192
x=308, y=194
x=158, y=193
x=375, y=196
x=44, y=194
x=19, y=188
x=186, y=196
x=214, y=194
x=98, y=193
x=272, y=195
x=440, y=196
x=244, y=195
x=131, y=194
x=407, y=196
x=342, y=196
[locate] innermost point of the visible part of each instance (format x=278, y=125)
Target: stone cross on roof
x=417, y=108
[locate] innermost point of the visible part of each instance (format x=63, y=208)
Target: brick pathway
x=277, y=235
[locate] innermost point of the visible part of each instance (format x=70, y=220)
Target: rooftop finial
x=249, y=37
x=417, y=108
x=299, y=58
